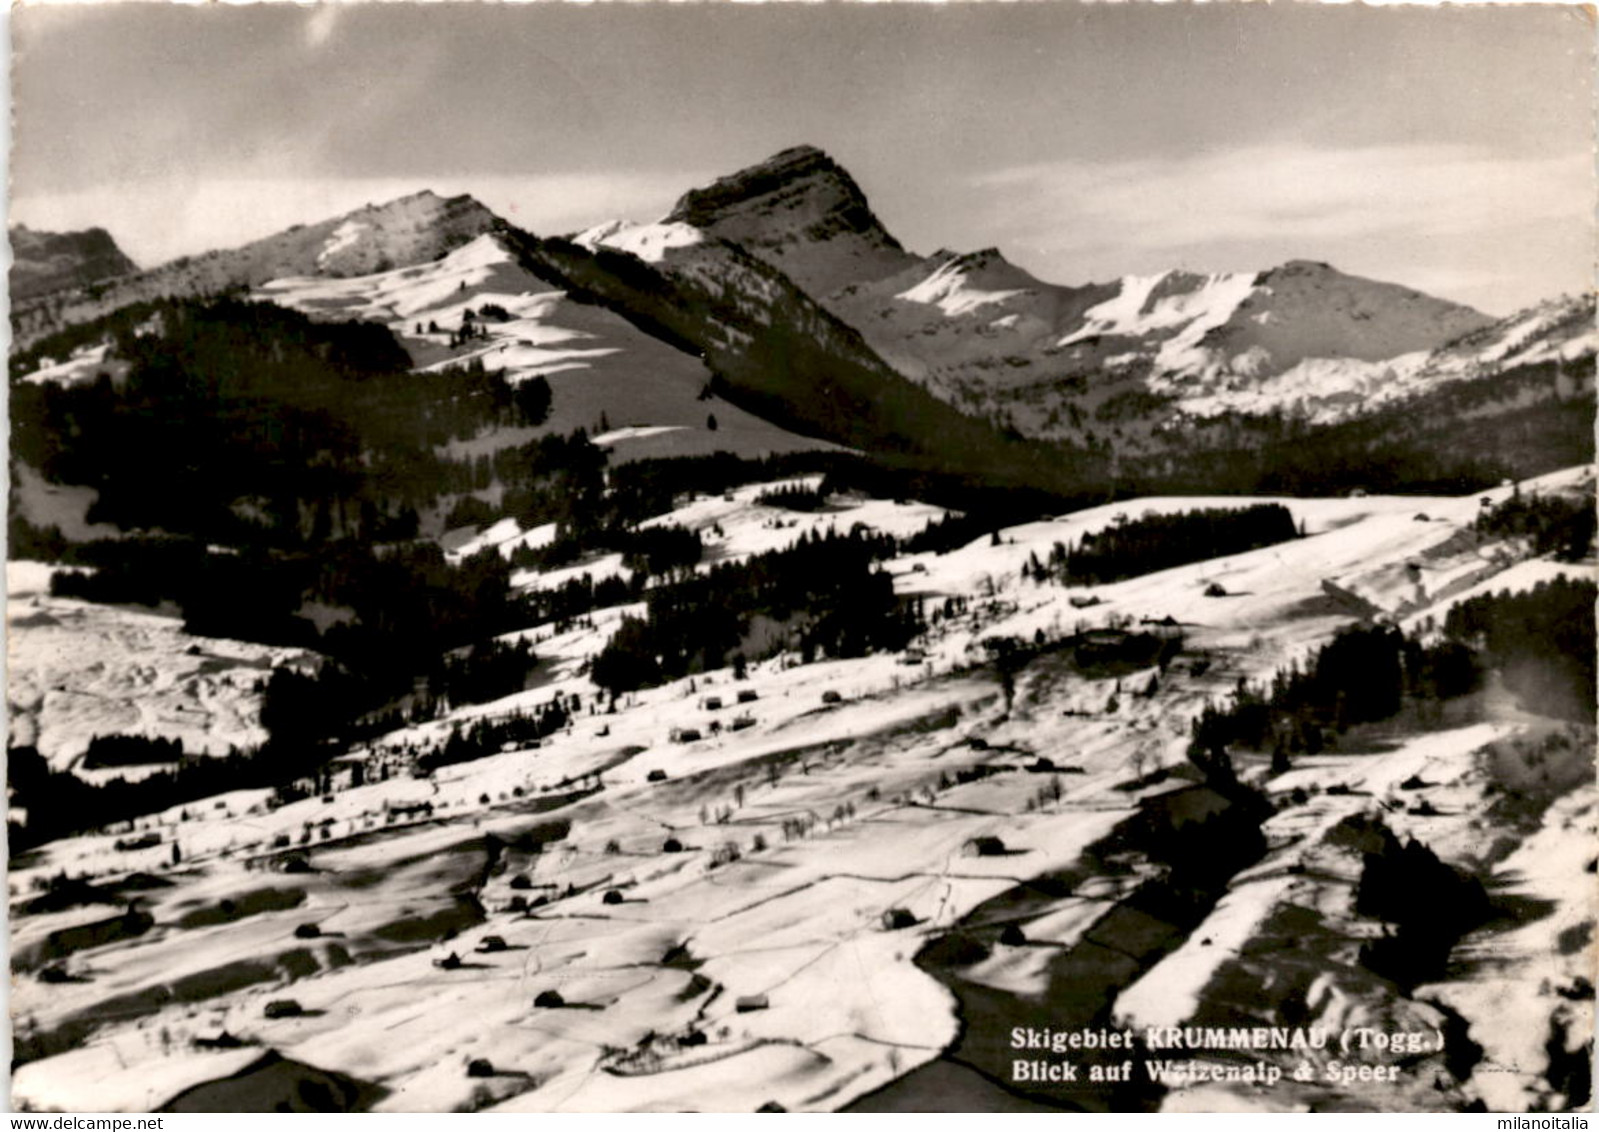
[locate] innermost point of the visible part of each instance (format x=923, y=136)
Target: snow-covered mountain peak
x=408, y=230
x=990, y=267
x=1310, y=267
x=800, y=176
x=801, y=211
x=1306, y=309
x=1561, y=329
x=1325, y=388
x=960, y=284
x=650, y=242
x=593, y=237
x=374, y=238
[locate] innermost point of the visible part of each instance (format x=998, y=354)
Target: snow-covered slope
x=605, y=374
x=76, y=670
x=650, y=242
x=988, y=337
x=745, y=957
x=411, y=230
x=1032, y=348
x=1327, y=389
x=960, y=284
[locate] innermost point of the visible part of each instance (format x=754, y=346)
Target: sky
x=1451, y=150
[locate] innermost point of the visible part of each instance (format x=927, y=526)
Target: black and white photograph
x=966, y=557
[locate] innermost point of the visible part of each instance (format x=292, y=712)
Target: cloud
x=1263, y=192
x=156, y=220
x=1422, y=213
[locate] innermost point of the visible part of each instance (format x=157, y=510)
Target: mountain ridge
x=784, y=208
x=402, y=232
x=788, y=249
x=42, y=261
x=989, y=337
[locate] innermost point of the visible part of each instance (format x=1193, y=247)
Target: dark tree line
x=1361, y=676
x=1431, y=903
x=410, y=604
x=490, y=736
x=395, y=605
x=205, y=583
x=641, y=489
x=1558, y=525
x=59, y=803
x=793, y=497
x=1160, y=542
x=645, y=550
x=252, y=425
x=559, y=479
x=470, y=511
x=1541, y=641
x=660, y=550
x=577, y=597
x=487, y=671
x=130, y=750
x=825, y=587
x=953, y=531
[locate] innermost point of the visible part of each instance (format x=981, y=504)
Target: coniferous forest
x=1159, y=542
x=824, y=590
x=1540, y=642
x=744, y=662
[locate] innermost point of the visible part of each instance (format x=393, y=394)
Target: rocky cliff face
x=801, y=212
x=42, y=262
x=1045, y=359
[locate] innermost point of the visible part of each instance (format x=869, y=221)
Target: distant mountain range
x=983, y=334
x=411, y=230
x=784, y=288
x=974, y=324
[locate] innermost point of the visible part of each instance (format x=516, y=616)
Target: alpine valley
x=737, y=662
